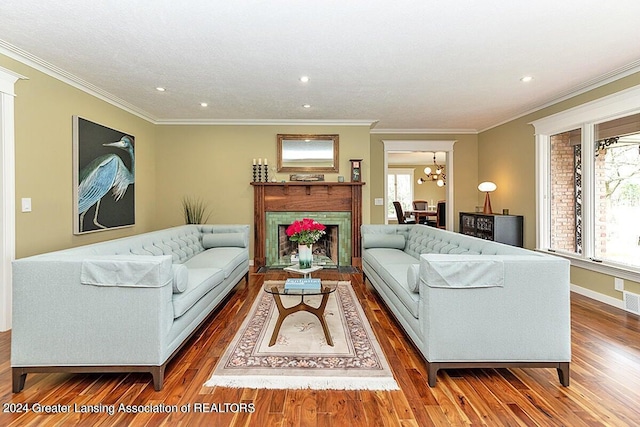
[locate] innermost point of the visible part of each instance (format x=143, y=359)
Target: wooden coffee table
x=276, y=288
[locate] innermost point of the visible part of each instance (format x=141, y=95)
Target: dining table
x=422, y=215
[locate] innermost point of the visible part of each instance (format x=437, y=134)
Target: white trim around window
x=582, y=117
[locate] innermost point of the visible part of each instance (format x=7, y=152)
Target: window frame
x=584, y=117
x=396, y=172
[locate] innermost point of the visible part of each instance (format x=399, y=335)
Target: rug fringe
x=284, y=382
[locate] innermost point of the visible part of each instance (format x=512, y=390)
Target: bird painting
x=105, y=173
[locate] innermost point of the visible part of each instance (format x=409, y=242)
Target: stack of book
x=302, y=284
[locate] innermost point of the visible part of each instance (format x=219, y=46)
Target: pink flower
x=306, y=231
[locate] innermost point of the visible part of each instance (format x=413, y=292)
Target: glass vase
x=305, y=255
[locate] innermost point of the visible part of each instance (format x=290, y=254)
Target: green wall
x=506, y=156
x=44, y=107
x=465, y=173
x=214, y=163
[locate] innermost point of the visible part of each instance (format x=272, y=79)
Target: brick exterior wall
x=563, y=197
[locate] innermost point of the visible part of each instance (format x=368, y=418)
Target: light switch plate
x=26, y=204
x=378, y=201
x=618, y=284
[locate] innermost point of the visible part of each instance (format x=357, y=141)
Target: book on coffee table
x=303, y=283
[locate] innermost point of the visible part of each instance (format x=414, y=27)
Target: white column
x=7, y=192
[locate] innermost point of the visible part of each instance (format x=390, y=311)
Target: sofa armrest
x=145, y=271
x=528, y=318
x=59, y=321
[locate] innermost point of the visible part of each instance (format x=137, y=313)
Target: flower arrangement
x=305, y=232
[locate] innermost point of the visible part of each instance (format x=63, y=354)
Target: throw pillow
x=392, y=241
x=180, y=278
x=413, y=277
x=221, y=240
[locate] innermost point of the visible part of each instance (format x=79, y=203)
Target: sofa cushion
x=201, y=281
x=394, y=241
x=413, y=277
x=180, y=278
x=217, y=240
x=395, y=276
x=385, y=256
x=226, y=259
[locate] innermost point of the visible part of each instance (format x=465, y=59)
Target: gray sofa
x=471, y=303
x=125, y=305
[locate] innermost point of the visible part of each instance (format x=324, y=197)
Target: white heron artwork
x=106, y=176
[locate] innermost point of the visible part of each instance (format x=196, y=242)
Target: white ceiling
x=407, y=65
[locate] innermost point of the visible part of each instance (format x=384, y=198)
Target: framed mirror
x=307, y=153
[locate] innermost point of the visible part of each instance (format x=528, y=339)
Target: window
x=617, y=191
x=588, y=173
x=399, y=188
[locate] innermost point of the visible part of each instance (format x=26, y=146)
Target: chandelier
x=434, y=173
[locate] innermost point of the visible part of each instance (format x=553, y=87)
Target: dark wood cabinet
x=499, y=228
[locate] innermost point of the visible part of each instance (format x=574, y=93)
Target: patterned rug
x=301, y=357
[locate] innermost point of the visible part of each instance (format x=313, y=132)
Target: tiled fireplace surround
x=331, y=203
x=338, y=232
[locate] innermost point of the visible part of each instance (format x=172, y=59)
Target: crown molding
x=51, y=70
x=425, y=131
x=595, y=83
x=265, y=122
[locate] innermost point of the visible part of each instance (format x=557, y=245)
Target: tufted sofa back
x=182, y=243
x=431, y=240
x=422, y=239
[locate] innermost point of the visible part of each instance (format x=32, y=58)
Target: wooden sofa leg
x=19, y=378
x=563, y=373
x=432, y=373
x=158, y=377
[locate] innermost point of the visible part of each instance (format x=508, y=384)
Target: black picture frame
x=103, y=177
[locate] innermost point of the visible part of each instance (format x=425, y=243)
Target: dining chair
x=441, y=214
x=420, y=205
x=400, y=214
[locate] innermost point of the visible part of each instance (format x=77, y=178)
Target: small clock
x=356, y=170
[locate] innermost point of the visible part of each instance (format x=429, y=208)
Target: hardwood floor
x=604, y=390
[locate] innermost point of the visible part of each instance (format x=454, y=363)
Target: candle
x=265, y=161
x=260, y=161
x=254, y=162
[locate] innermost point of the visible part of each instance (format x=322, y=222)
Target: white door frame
x=423, y=145
x=8, y=192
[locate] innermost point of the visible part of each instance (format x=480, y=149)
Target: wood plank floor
x=605, y=382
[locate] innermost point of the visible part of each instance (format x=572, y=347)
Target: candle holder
x=259, y=172
x=255, y=171
x=266, y=173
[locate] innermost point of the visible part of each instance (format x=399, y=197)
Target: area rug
x=301, y=357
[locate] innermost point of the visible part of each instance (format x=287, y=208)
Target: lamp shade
x=487, y=186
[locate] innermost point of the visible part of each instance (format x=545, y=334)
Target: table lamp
x=487, y=187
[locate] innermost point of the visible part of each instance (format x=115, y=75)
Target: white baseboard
x=618, y=303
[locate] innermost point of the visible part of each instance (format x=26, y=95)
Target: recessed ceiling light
x=204, y=104
x=526, y=79
x=160, y=89
x=304, y=79
x=306, y=106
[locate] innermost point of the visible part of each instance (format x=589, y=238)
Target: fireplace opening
x=325, y=250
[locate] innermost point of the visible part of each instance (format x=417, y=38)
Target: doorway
x=421, y=152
